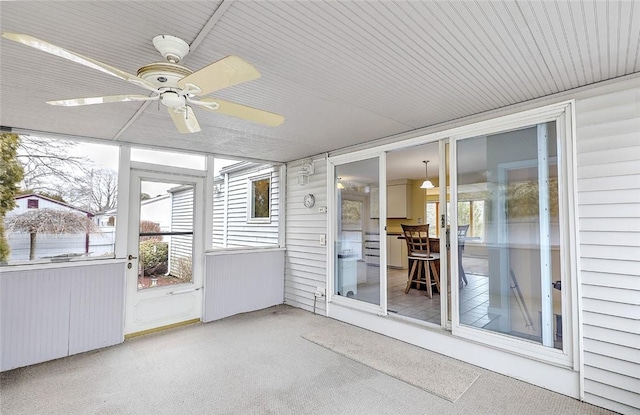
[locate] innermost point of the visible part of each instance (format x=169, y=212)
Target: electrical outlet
x=319, y=292
x=323, y=240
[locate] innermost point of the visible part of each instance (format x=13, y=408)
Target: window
x=472, y=213
x=66, y=201
x=169, y=158
x=469, y=213
x=259, y=202
x=246, y=204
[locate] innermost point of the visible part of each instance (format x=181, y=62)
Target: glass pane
x=169, y=158
x=260, y=198
x=166, y=234
x=411, y=298
x=512, y=259
x=358, y=238
x=64, y=206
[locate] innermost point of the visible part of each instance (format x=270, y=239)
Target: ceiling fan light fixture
x=173, y=100
x=427, y=183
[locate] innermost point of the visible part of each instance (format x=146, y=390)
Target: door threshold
x=162, y=328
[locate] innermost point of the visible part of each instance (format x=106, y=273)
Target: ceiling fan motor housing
x=173, y=49
x=163, y=75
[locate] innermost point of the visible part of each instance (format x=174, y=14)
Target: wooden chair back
x=417, y=238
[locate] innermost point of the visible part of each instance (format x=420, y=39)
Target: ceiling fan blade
x=102, y=100
x=243, y=111
x=224, y=73
x=77, y=58
x=186, y=122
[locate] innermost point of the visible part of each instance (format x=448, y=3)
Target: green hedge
x=154, y=256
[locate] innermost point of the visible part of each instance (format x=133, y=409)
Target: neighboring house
x=49, y=245
x=182, y=220
x=156, y=209
x=33, y=201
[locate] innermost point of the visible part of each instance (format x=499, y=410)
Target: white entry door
x=164, y=271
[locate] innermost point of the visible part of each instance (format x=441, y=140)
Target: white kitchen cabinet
x=396, y=252
x=399, y=199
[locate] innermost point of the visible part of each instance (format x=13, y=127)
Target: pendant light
x=427, y=183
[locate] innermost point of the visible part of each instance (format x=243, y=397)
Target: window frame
x=251, y=181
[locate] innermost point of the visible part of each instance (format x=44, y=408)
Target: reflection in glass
x=358, y=237
x=511, y=180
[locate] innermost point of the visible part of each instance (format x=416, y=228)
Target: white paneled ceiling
x=341, y=72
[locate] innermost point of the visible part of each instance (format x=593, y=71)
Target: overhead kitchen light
x=340, y=185
x=427, y=183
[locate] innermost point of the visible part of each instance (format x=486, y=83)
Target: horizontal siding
x=181, y=221
x=238, y=230
x=608, y=188
x=306, y=259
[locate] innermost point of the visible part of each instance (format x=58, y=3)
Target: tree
x=51, y=170
x=11, y=174
x=47, y=165
x=97, y=190
x=50, y=221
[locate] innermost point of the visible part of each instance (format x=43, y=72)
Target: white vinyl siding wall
x=181, y=221
x=608, y=225
x=305, y=259
x=608, y=159
x=231, y=224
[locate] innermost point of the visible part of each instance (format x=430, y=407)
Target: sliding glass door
x=357, y=229
x=508, y=213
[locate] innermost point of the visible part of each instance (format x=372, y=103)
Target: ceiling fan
x=174, y=85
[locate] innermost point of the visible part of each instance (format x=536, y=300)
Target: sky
x=106, y=156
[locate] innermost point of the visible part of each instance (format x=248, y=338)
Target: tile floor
x=474, y=296
x=416, y=304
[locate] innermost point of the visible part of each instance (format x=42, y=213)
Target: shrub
x=147, y=226
x=183, y=269
x=154, y=257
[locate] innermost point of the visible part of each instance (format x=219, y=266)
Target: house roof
x=341, y=72
x=57, y=202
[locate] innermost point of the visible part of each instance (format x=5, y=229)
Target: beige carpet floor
x=432, y=372
x=254, y=363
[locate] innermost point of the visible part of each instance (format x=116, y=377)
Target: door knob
x=132, y=257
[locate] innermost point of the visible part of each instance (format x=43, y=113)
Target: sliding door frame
x=332, y=213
